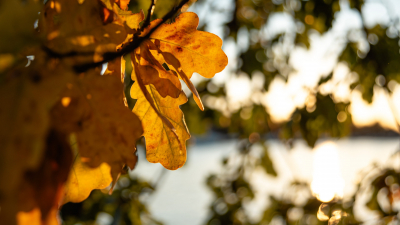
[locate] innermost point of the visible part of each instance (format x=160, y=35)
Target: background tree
x=370, y=51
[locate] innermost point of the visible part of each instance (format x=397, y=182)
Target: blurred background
x=300, y=128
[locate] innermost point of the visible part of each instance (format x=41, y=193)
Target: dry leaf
x=162, y=146
x=166, y=82
x=70, y=28
x=83, y=179
x=197, y=51
x=106, y=130
x=185, y=49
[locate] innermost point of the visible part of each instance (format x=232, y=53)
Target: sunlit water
x=182, y=196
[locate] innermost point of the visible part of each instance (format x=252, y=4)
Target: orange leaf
x=197, y=51
x=123, y=4
x=163, y=86
x=186, y=49
x=170, y=59
x=136, y=76
x=162, y=145
x=106, y=130
x=83, y=179
x=166, y=82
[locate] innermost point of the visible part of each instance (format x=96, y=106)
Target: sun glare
x=327, y=181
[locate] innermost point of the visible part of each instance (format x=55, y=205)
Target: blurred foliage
x=297, y=204
x=372, y=53
x=309, y=211
x=231, y=187
x=318, y=119
x=381, y=59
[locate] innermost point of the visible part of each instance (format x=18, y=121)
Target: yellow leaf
x=83, y=179
x=70, y=28
x=162, y=145
x=106, y=130
x=185, y=49
x=164, y=86
x=197, y=51
x=132, y=20
x=123, y=4
x=166, y=82
x=34, y=217
x=136, y=75
x=172, y=60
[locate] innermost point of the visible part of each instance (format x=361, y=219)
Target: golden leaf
x=163, y=144
x=70, y=28
x=197, y=51
x=34, y=217
x=83, y=179
x=106, y=130
x=132, y=20
x=123, y=4
x=185, y=49
x=166, y=83
x=172, y=60
x=174, y=51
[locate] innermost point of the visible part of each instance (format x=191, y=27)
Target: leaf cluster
x=66, y=125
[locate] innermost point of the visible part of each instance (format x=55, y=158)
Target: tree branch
x=131, y=46
x=149, y=14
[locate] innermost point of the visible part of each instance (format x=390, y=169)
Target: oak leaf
x=173, y=51
x=163, y=144
x=106, y=130
x=123, y=4
x=83, y=179
x=166, y=83
x=185, y=49
x=197, y=51
x=68, y=26
x=132, y=20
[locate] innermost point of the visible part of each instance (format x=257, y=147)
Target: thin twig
x=149, y=14
x=131, y=46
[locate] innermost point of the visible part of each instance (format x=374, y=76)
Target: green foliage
x=321, y=119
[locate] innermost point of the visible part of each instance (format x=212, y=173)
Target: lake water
x=182, y=197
